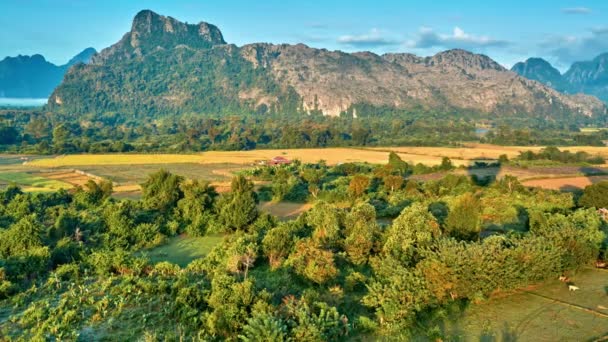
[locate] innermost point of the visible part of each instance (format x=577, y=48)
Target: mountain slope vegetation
x=163, y=66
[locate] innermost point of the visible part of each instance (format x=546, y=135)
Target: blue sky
x=508, y=31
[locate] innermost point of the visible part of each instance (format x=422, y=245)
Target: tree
x=358, y=185
x=8, y=134
x=577, y=235
x=446, y=164
x=392, y=183
x=196, y=205
x=361, y=233
x=396, y=293
x=239, y=208
x=414, y=229
x=20, y=237
x=595, y=196
x=397, y=164
x=509, y=184
x=60, y=138
x=464, y=219
x=326, y=221
x=312, y=262
x=161, y=191
x=277, y=243
x=98, y=191
x=264, y=327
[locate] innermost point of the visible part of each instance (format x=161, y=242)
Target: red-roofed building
x=279, y=161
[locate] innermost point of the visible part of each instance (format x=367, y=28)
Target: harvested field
x=566, y=183
x=330, y=155
x=485, y=151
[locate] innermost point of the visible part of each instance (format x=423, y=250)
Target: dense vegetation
x=35, y=131
x=74, y=265
x=553, y=154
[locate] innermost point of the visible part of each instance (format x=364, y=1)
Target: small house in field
x=279, y=161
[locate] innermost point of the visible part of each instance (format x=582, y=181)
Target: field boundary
x=575, y=306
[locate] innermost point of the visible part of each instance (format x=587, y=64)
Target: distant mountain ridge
x=590, y=77
x=165, y=66
x=33, y=76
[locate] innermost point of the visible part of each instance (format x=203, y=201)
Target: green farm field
x=548, y=312
x=32, y=183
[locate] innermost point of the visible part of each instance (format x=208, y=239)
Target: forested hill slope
x=163, y=66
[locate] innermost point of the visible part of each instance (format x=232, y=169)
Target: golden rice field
x=377, y=155
x=331, y=155
x=484, y=151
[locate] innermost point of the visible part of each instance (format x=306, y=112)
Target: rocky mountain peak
x=589, y=72
x=465, y=60
x=83, y=57
x=153, y=26
x=538, y=69
x=151, y=31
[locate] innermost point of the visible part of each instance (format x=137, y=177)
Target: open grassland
x=546, y=313
x=181, y=250
x=33, y=183
x=284, y=210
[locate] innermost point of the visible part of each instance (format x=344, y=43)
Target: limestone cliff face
x=191, y=65
x=332, y=81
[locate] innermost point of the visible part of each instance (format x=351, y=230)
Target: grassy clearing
x=181, y=250
x=32, y=182
x=284, y=210
x=547, y=313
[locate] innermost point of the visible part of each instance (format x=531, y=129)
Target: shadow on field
x=484, y=173
x=506, y=334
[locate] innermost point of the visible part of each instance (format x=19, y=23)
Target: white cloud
x=568, y=49
x=576, y=10
x=428, y=38
x=374, y=38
